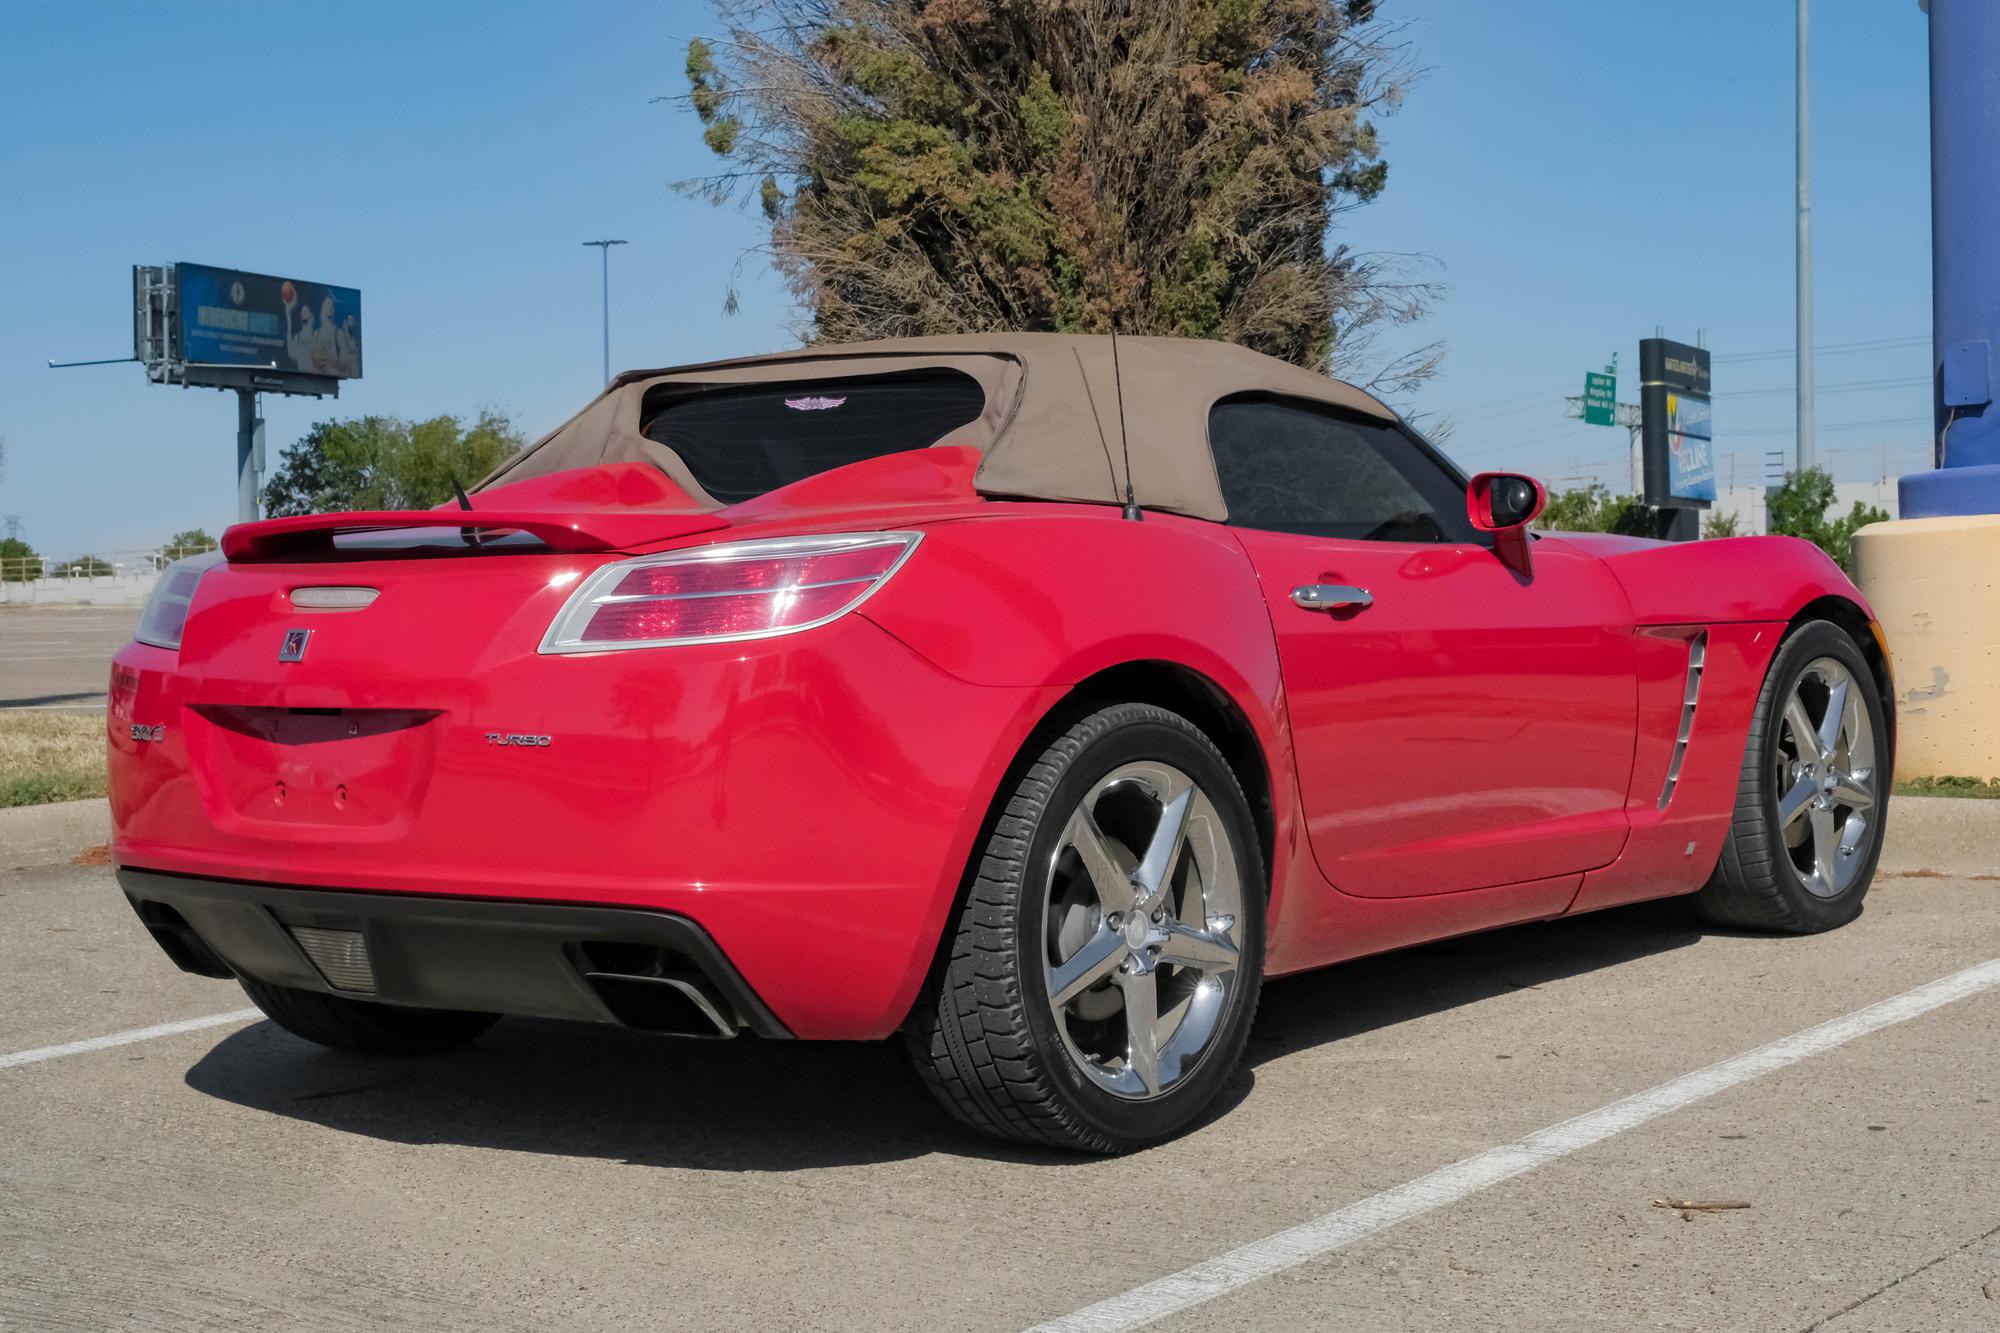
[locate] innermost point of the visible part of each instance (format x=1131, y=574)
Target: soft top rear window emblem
x=816, y=403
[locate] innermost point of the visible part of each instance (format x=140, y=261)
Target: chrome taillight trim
x=613, y=598
x=563, y=635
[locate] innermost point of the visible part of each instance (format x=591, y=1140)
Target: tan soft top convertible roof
x=1050, y=428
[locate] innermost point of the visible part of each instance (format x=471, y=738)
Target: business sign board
x=231, y=318
x=1678, y=444
x=221, y=328
x=1600, y=397
x=1690, y=449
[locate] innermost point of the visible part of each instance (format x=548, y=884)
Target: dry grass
x=1949, y=785
x=50, y=756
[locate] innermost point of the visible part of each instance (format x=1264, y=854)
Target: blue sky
x=1578, y=170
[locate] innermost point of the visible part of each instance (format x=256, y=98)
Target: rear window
x=742, y=442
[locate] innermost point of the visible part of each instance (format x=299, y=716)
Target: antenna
x=1124, y=440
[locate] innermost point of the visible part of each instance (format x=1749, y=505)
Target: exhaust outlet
x=655, y=990
x=660, y=1004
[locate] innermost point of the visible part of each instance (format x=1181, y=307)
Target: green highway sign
x=1600, y=396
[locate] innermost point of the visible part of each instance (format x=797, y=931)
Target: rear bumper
x=647, y=969
x=810, y=802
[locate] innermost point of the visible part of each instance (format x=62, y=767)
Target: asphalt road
x=574, y=1177
x=60, y=657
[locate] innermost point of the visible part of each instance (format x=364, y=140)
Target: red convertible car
x=1034, y=697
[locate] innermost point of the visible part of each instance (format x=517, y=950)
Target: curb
x=40, y=835
x=1941, y=836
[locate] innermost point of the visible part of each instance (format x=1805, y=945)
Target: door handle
x=1331, y=597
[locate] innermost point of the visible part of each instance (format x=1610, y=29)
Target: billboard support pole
x=248, y=430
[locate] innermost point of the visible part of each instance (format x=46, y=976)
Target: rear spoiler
x=612, y=530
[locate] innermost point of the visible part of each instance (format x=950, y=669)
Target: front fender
x=1731, y=580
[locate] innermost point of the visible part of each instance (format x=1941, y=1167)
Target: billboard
x=1679, y=449
x=253, y=320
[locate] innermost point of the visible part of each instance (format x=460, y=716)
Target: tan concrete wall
x=1935, y=587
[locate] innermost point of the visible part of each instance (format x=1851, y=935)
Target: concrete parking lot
x=59, y=656
x=227, y=1174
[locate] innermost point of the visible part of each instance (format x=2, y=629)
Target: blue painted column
x=1965, y=264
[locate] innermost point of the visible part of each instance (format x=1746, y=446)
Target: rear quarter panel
x=1051, y=594
x=1045, y=596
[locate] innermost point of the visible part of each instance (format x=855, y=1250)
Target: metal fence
x=120, y=576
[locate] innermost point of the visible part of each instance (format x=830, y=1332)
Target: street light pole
x=605, y=249
x=1805, y=456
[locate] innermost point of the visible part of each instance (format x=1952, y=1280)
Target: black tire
x=1755, y=885
x=363, y=1026
x=985, y=1039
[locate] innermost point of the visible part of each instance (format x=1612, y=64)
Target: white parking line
x=125, y=1038
x=1344, y=1226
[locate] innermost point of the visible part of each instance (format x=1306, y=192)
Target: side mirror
x=1504, y=503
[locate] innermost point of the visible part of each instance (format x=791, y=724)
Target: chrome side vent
x=1697, y=655
x=340, y=955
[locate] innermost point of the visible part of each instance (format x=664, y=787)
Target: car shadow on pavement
x=1315, y=1008
x=578, y=1089
x=749, y=1105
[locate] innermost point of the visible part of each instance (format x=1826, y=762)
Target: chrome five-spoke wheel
x=1812, y=792
x=1142, y=901
x=1100, y=981
x=1826, y=777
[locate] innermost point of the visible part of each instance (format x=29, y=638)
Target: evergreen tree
x=953, y=166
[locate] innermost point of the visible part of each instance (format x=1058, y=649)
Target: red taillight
x=124, y=693
x=166, y=609
x=739, y=590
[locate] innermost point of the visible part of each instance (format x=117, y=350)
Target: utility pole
x=605, y=249
x=1806, y=450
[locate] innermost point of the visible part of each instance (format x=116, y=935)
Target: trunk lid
x=331, y=716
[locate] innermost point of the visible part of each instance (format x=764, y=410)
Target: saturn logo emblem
x=294, y=647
